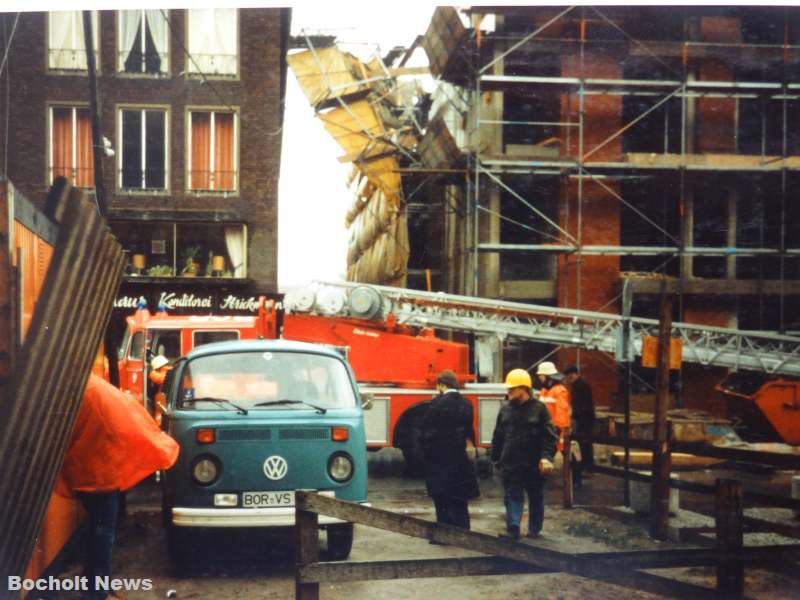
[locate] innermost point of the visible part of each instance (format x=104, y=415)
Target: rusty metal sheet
x=40, y=407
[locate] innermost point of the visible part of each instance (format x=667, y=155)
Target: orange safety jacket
x=159, y=398
x=559, y=401
x=115, y=443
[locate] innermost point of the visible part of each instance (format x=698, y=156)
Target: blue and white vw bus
x=257, y=420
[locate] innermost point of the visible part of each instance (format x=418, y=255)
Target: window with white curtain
x=213, y=48
x=66, y=48
x=143, y=41
x=177, y=249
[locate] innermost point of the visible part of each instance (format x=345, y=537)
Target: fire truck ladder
x=702, y=344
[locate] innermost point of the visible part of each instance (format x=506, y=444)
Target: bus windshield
x=265, y=381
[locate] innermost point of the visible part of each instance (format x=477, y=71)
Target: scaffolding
x=681, y=78
x=581, y=162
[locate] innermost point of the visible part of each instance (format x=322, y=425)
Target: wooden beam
x=730, y=535
x=306, y=552
x=659, y=491
x=612, y=570
x=413, y=569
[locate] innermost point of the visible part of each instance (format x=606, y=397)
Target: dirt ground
x=260, y=565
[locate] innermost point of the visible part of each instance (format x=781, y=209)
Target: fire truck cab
x=171, y=336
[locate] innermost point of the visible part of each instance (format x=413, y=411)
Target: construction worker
x=557, y=398
x=114, y=445
x=523, y=445
x=583, y=417
x=159, y=367
x=446, y=429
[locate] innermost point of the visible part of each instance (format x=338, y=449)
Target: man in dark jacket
x=449, y=475
x=583, y=417
x=523, y=446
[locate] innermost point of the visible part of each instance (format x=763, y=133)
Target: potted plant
x=159, y=271
x=190, y=263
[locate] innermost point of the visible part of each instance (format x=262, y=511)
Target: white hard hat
x=158, y=362
x=546, y=368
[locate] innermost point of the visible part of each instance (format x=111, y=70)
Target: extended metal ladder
x=702, y=344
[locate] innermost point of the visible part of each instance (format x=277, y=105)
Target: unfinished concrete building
x=656, y=146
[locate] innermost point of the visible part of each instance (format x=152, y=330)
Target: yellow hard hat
x=517, y=378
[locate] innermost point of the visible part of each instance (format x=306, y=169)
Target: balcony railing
x=214, y=64
x=149, y=63
x=69, y=59
x=213, y=181
x=82, y=177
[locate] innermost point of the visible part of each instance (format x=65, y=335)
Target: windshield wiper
x=239, y=409
x=285, y=401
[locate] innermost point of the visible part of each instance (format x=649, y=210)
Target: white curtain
x=234, y=241
x=129, y=25
x=201, y=24
x=225, y=40
x=61, y=27
x=67, y=48
x=157, y=23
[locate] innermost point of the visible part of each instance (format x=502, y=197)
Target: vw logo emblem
x=275, y=467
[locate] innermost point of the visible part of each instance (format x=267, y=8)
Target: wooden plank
x=566, y=469
x=612, y=571
x=413, y=569
x=72, y=310
x=306, y=552
x=659, y=494
x=448, y=534
x=730, y=535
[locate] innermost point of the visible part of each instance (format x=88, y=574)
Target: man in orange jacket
x=159, y=367
x=115, y=444
x=556, y=397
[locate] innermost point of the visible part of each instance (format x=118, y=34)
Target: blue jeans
x=515, y=490
x=102, y=508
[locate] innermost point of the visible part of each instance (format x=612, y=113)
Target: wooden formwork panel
x=42, y=401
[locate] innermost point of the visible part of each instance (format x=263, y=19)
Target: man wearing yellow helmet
x=523, y=445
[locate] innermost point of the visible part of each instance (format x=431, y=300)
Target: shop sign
x=190, y=301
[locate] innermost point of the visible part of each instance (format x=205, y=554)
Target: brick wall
x=257, y=95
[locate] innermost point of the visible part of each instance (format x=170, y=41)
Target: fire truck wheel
x=340, y=541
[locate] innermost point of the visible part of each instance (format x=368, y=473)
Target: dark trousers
x=514, y=498
x=102, y=508
x=451, y=510
x=583, y=434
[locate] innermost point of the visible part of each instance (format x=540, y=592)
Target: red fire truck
x=397, y=364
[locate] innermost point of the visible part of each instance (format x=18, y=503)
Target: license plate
x=267, y=499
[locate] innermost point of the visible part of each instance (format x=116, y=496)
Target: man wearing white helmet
x=523, y=445
x=159, y=367
x=557, y=398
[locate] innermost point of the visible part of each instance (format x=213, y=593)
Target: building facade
x=191, y=109
x=599, y=146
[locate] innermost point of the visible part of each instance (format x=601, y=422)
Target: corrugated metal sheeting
x=41, y=403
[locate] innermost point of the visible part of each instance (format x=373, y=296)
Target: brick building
x=191, y=104
x=601, y=145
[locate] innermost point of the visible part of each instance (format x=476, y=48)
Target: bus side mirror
x=366, y=400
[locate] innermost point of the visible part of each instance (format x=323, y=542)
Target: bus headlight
x=205, y=470
x=340, y=467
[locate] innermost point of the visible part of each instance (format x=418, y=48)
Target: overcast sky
x=313, y=199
